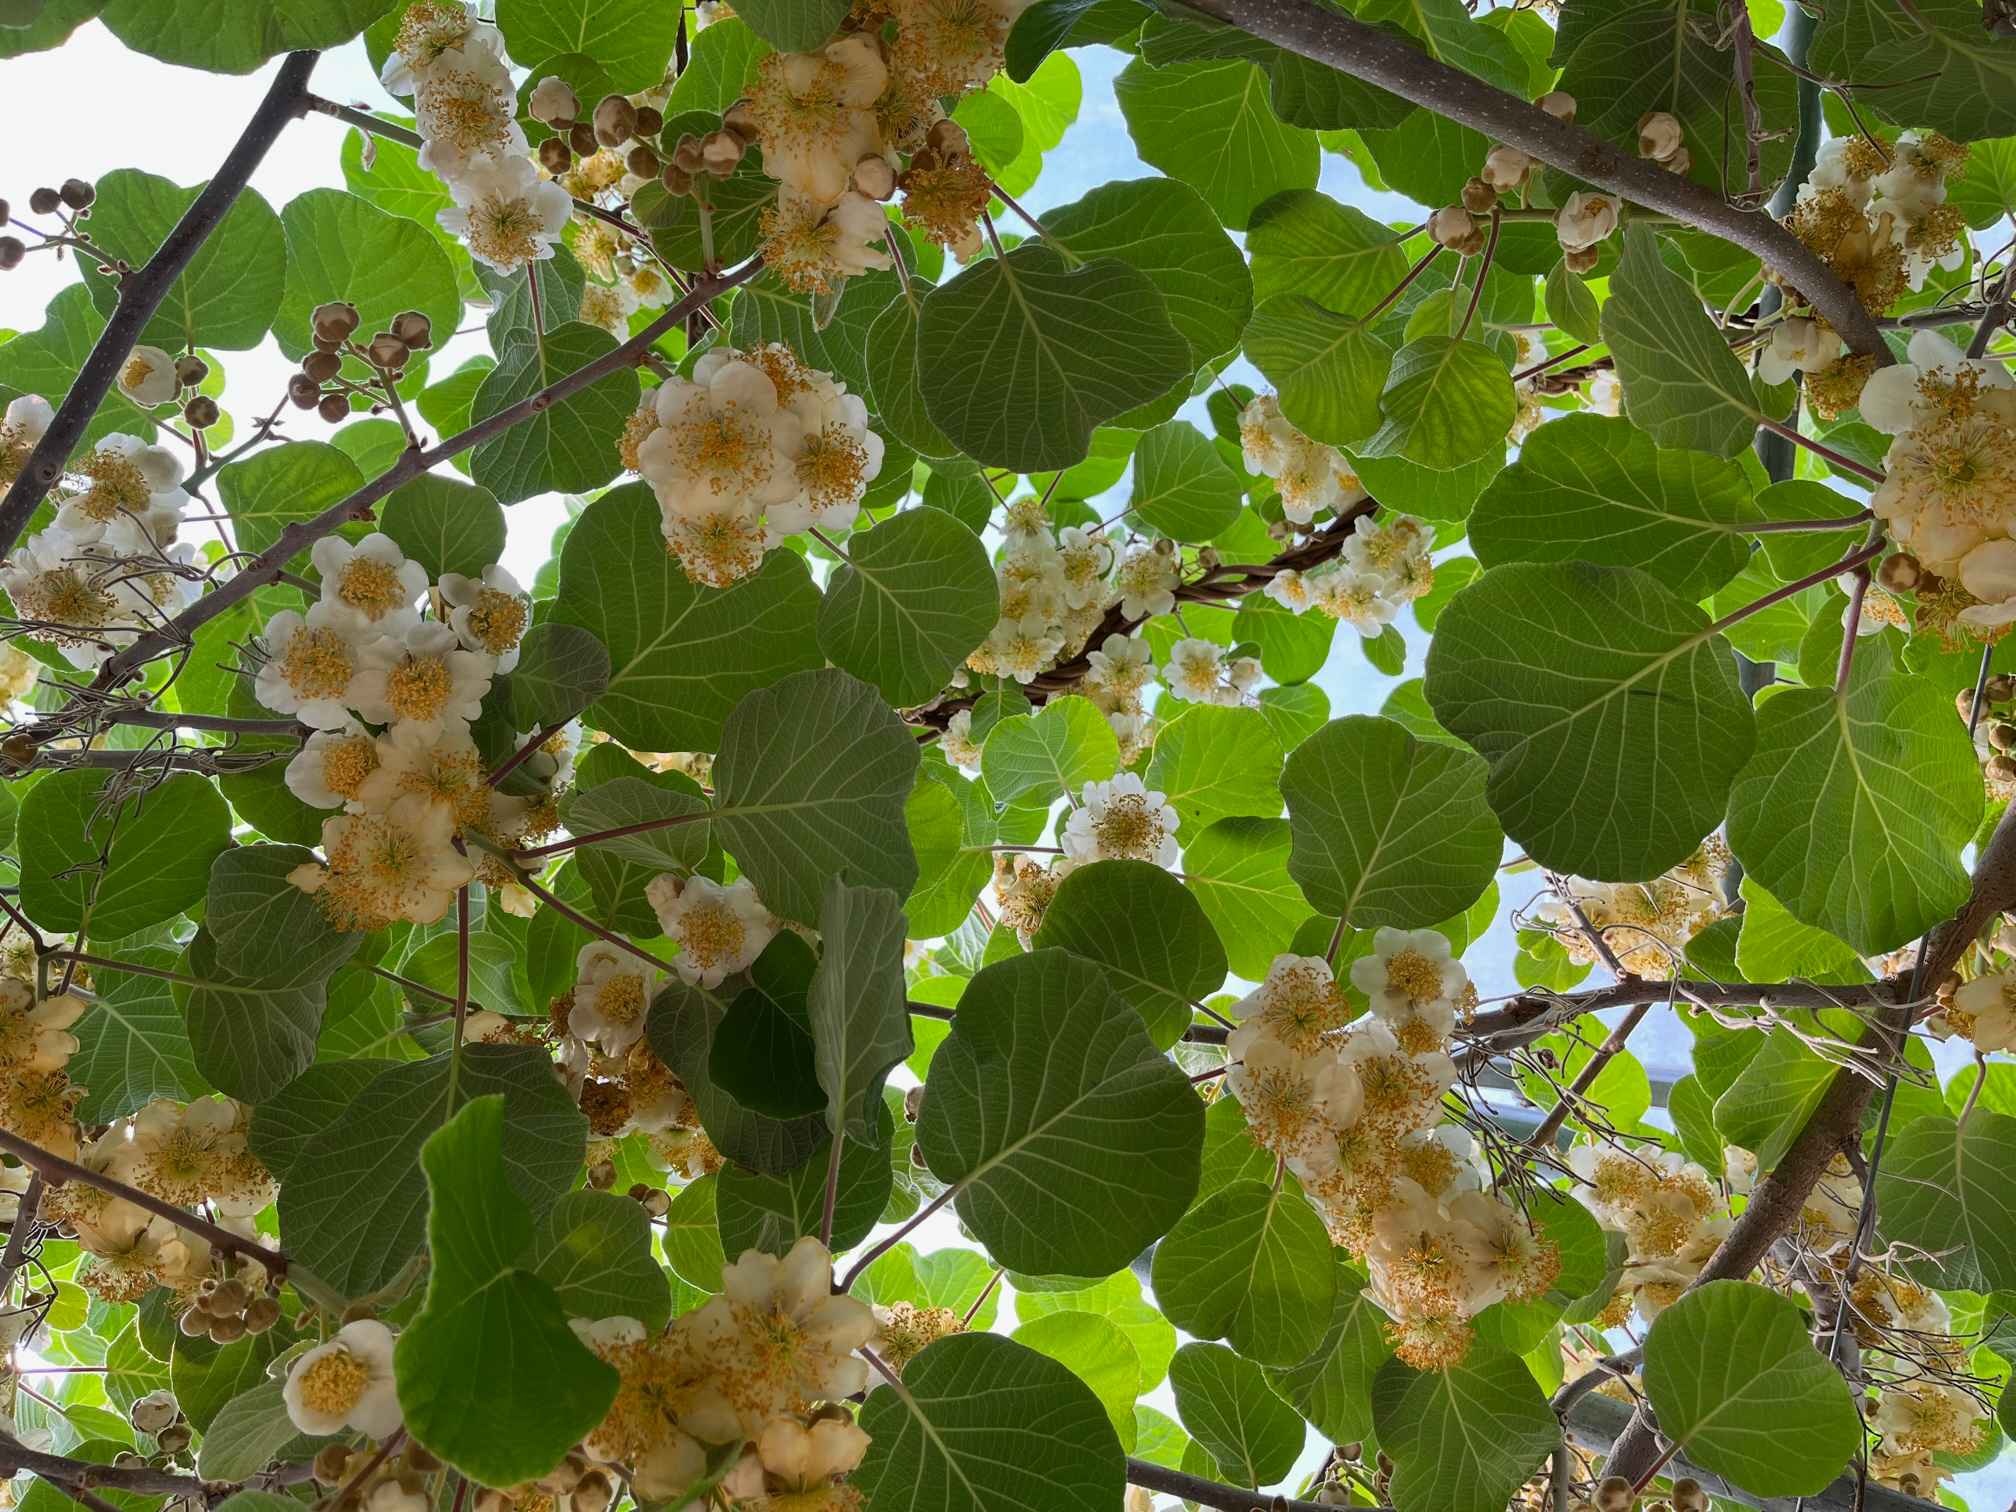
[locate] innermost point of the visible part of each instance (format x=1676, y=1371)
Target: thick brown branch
x=1209, y=1493
x=1396, y=64
x=141, y=293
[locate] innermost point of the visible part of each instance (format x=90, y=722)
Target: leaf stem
x=1820, y=449
x=596, y=837
x=1848, y=563
x=1401, y=287
x=881, y=1249
x=1483, y=270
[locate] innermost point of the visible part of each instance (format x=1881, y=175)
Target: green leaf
x=895, y=383
x=569, y=447
x=1147, y=933
x=484, y=1316
x=1097, y=1352
x=248, y=1433
x=445, y=525
x=692, y=1235
x=683, y=655
x=1165, y=231
x=1328, y=369
x=1183, y=488
x=132, y=1047
x=1778, y=1090
x=1738, y=1385
x=738, y=203
x=1117, y=1299
x=1028, y=355
x=343, y=247
x=561, y=669
x=119, y=866
x=263, y=925
x=1940, y=64
x=860, y=1026
x=683, y=1030
x=206, y=1378
x=1854, y=809
x=1606, y=707
x=1036, y=758
x=1462, y=1439
x=914, y=595
x=794, y=25
x=1308, y=244
x=1332, y=1387
x=1944, y=1192
x=46, y=361
x=1233, y=1413
x=1074, y=1143
x=353, y=1208
x=1250, y=1264
x=1238, y=868
x=1595, y=489
x=770, y=1211
x=810, y=780
x=1212, y=763
x=1571, y=306
x=719, y=70
x=235, y=36
x=285, y=485
x=981, y=1422
x=38, y=25
x=1211, y=125
x=621, y=801
x=250, y=1035
x=1446, y=403
x=631, y=40
x=594, y=1250
x=228, y=295
x=287, y=1123
x=1388, y=829
x=1682, y=384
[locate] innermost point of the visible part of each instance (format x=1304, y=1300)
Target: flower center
x=419, y=687
x=333, y=1385
x=497, y=620
x=621, y=999
x=727, y=449
x=1415, y=976
x=318, y=663
x=1127, y=829
x=117, y=485
x=504, y=230
x=712, y=933
x=371, y=587
x=833, y=466
x=347, y=763
x=136, y=372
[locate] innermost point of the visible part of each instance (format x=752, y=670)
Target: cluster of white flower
x=1948, y=497
x=1354, y=1110
x=1121, y=819
x=465, y=108
x=1312, y=478
x=1669, y=1211
x=1383, y=567
x=1201, y=672
x=1646, y=925
x=1918, y=1364
x=769, y=1362
x=720, y=930
x=1054, y=591
x=108, y=568
x=37, y=1100
x=184, y=1154
x=363, y=655
x=753, y=448
x=1984, y=1011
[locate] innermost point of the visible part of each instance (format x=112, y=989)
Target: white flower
x=1121, y=820
x=1585, y=219
x=435, y=760
x=612, y=997
x=505, y=214
x=330, y=769
x=1505, y=168
x=1892, y=400
x=147, y=377
x=957, y=742
x=814, y=113
x=811, y=1333
x=1797, y=346
x=1659, y=135
x=608, y=307
x=401, y=864
x=312, y=668
x=25, y=423
x=1147, y=582
x=1989, y=572
x=488, y=614
x=806, y=1458
x=1357, y=598
x=346, y=1383
x=427, y=29
x=1832, y=170
x=1991, y=1000
x=1196, y=670
x=836, y=458
x=370, y=587
x=1121, y=667
x=1408, y=966
x=553, y=100
x=720, y=930
x=553, y=762
x=1311, y=477
x=465, y=109
x=722, y=439
x=422, y=674
x=125, y=479
x=816, y=245
x=1289, y=589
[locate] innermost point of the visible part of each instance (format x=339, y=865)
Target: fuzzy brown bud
x=77, y=194
x=581, y=137
x=387, y=351
x=555, y=156
x=602, y=1175
x=913, y=1104
x=650, y=120
x=1614, y=1494
x=12, y=250
x=676, y=179
x=657, y=1202
x=917, y=1157
x=615, y=121
x=949, y=138
x=174, y=1438
x=201, y=412
x=193, y=1321
x=687, y=154
x=226, y=1330
x=261, y=1313
x=1688, y=1495
x=413, y=328
x=331, y=1462
x=321, y=366
x=1479, y=197
x=2001, y=687
x=2002, y=768
x=44, y=201
x=335, y=321
x=1581, y=260
x=721, y=152
x=643, y=161
x=153, y=1412
x=739, y=120
x=334, y=408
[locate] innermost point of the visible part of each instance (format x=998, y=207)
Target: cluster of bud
x=75, y=195
x=655, y=1201
x=159, y=1415
x=612, y=123
x=226, y=1310
x=320, y=386
x=715, y=155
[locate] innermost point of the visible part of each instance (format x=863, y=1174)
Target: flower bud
x=917, y=1157
x=615, y=121
x=261, y=1313
x=129, y=1459
x=739, y=121
x=874, y=177
x=1505, y=168
x=201, y=412
x=226, y=1330
x=1479, y=198
x=555, y=156
x=1688, y=1495
x=413, y=328
x=193, y=1322
x=229, y=1299
x=43, y=201
x=331, y=1462
x=153, y=1412
x=1583, y=260
x=554, y=102
x=1585, y=220
x=1900, y=572
x=593, y=1493
x=1452, y=227
x=1659, y=135
x=387, y=351
x=913, y=1104
x=643, y=161
x=191, y=370
x=721, y=152
x=12, y=250
x=174, y=1438
x=2002, y=768
x=581, y=137
x=657, y=1202
x=676, y=179
x=689, y=155
x=602, y=1175
x=334, y=408
x=336, y=320
x=1677, y=161
x=419, y=1459
x=650, y=120
x=303, y=392
x=2000, y=688
x=77, y=194
x=321, y=366
x=1614, y=1494
x=1558, y=104
x=948, y=137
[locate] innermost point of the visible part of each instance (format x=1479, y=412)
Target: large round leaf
x=1210, y=125
x=1328, y=369
x=121, y=866
x=1250, y=1264
x=632, y=40
x=1226, y=1403
x=235, y=36
x=913, y=597
x=1183, y=488
x=1446, y=402
x=1738, y=1385
x=568, y=447
x=1944, y=1192
x=1607, y=708
x=1073, y=1142
x=1151, y=936
x=1462, y=1439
